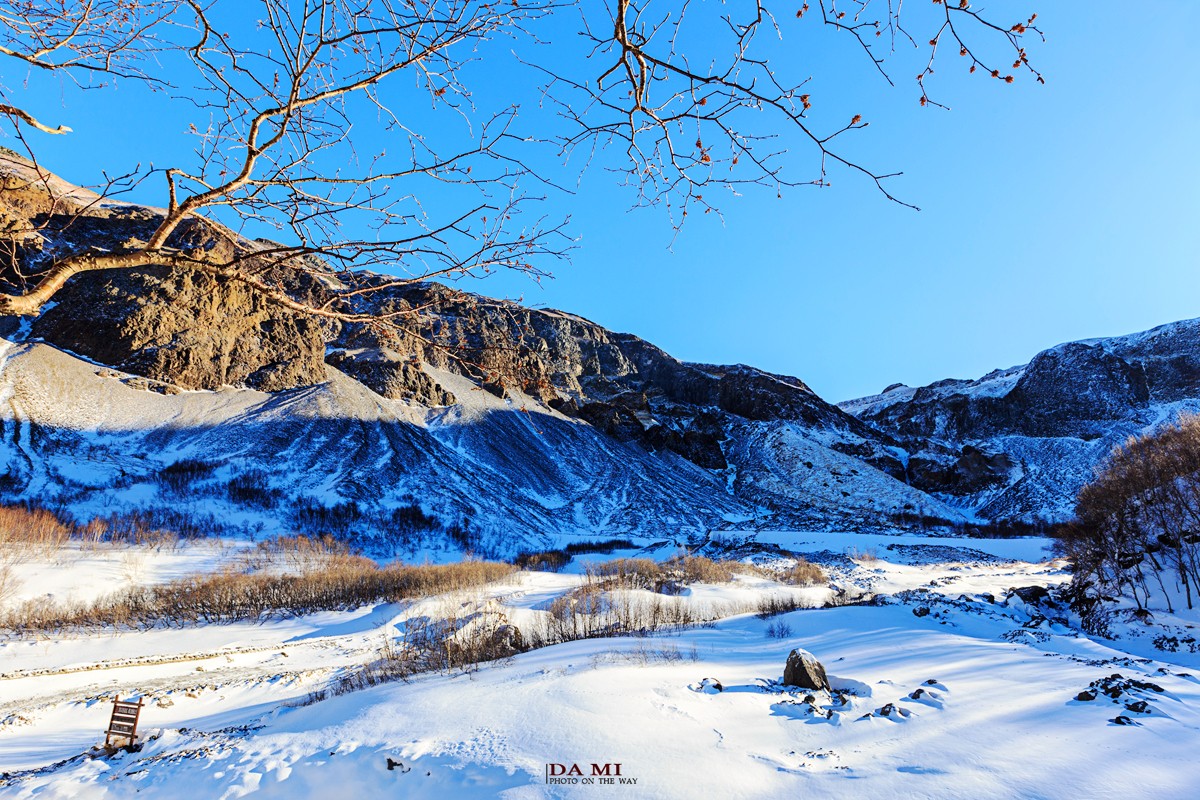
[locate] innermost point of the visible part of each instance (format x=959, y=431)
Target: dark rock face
x=371, y=356
x=1066, y=390
x=804, y=671
x=972, y=471
x=185, y=328
x=617, y=383
x=1018, y=444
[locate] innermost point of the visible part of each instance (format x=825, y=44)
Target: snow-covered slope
x=498, y=474
x=952, y=686
x=1018, y=443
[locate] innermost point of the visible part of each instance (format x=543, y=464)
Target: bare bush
x=778, y=603
x=698, y=569
x=667, y=577
x=633, y=573
x=803, y=573
x=779, y=630
x=863, y=555
x=1137, y=530
x=9, y=582
x=179, y=476
x=231, y=597
x=300, y=553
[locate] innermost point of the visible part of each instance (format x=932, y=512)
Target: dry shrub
x=301, y=553
x=863, y=555
x=632, y=573
x=542, y=561
x=8, y=582
x=668, y=577
x=233, y=597
x=1137, y=531
x=698, y=569
x=31, y=531
x=803, y=573
x=458, y=639
x=593, y=611
x=773, y=604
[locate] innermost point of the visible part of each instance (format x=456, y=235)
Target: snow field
x=972, y=699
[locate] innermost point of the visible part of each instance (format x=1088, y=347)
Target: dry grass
x=232, y=597
x=31, y=532
x=864, y=555
x=803, y=573
x=668, y=576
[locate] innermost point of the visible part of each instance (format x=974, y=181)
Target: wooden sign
x=124, y=722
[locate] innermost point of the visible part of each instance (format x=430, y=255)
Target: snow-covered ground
x=948, y=686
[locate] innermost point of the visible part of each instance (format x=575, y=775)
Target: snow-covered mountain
x=1018, y=443
x=178, y=399
x=501, y=473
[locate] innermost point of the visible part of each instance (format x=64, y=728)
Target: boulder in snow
x=803, y=670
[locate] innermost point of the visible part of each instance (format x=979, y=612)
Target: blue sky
x=1049, y=213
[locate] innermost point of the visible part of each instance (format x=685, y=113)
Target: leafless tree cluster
x=695, y=102
x=679, y=97
x=1138, y=527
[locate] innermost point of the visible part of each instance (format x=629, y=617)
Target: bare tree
x=683, y=90
x=1137, y=532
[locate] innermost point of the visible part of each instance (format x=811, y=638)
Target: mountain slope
x=495, y=474
x=1017, y=444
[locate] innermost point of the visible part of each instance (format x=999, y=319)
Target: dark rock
x=804, y=671
x=186, y=328
x=1086, y=696
x=1033, y=595
x=507, y=641
x=921, y=611
x=1122, y=720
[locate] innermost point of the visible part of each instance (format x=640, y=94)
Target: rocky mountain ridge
x=184, y=396
x=1018, y=443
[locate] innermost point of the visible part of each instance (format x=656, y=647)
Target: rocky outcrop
x=185, y=328
x=1017, y=444
x=685, y=444
x=804, y=671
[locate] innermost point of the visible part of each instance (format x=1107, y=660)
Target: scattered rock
x=804, y=671
x=1122, y=720
x=507, y=641
x=1086, y=696
x=921, y=611
x=709, y=686
x=1033, y=595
